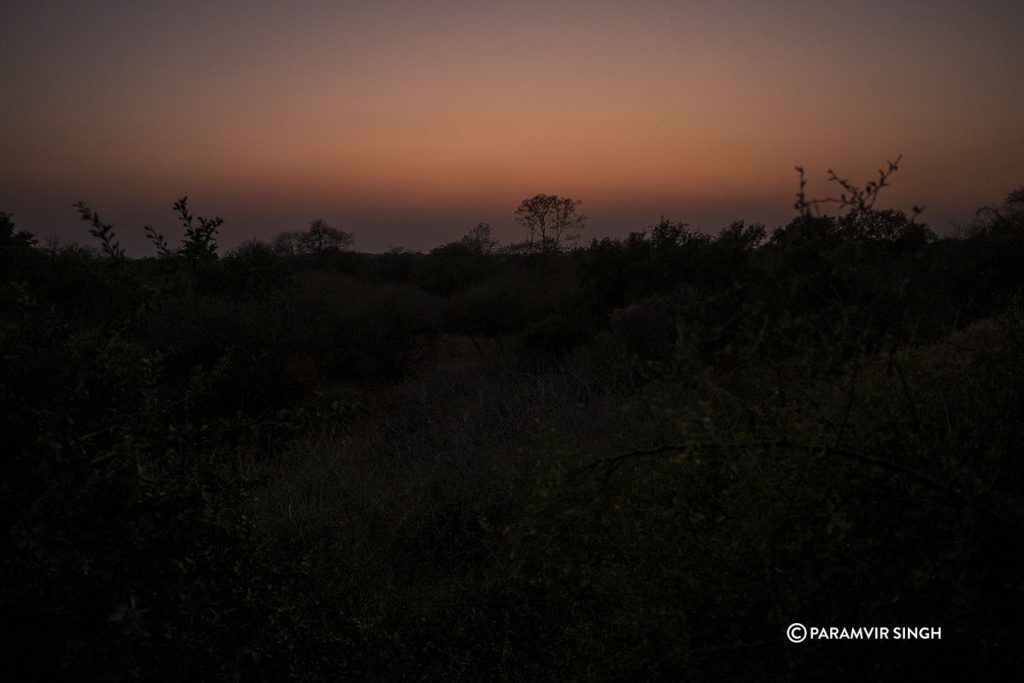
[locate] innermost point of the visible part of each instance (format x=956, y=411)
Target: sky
x=409, y=122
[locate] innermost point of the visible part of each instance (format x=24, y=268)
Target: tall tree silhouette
x=550, y=221
x=320, y=238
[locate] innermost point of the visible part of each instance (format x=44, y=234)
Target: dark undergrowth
x=639, y=460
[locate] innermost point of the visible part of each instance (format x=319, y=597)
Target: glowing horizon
x=407, y=123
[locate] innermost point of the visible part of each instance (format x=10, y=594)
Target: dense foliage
x=637, y=460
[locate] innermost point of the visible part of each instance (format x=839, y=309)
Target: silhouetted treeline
x=640, y=460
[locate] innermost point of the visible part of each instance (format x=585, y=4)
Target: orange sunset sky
x=407, y=123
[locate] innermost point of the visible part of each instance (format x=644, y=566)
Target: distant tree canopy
x=1015, y=198
x=9, y=237
x=320, y=238
x=550, y=221
x=479, y=240
x=1003, y=219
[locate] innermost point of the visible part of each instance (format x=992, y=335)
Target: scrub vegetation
x=639, y=459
